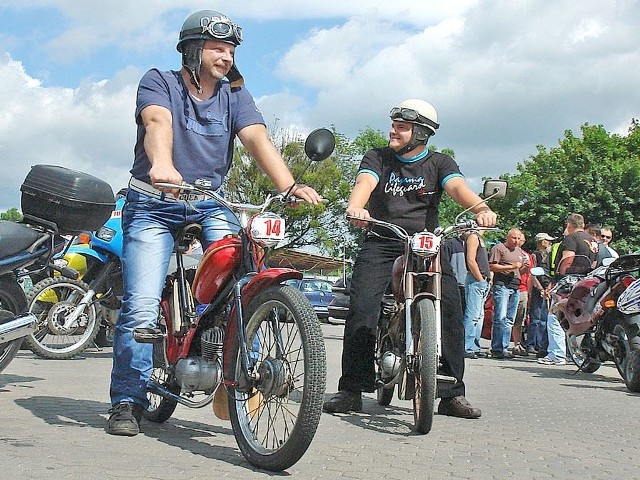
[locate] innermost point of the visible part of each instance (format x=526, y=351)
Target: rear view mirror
x=494, y=189
x=319, y=144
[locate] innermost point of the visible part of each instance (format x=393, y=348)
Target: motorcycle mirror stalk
x=493, y=189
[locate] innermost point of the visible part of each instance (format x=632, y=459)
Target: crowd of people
x=521, y=315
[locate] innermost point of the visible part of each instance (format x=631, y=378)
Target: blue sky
x=505, y=76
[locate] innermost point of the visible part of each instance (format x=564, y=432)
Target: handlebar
x=402, y=234
x=240, y=207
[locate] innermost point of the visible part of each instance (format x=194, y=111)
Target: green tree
x=13, y=214
x=307, y=225
x=597, y=175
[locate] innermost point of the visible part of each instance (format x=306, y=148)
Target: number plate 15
x=425, y=244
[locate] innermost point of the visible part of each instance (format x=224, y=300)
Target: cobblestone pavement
x=538, y=422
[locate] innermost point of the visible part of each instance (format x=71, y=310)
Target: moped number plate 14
x=267, y=229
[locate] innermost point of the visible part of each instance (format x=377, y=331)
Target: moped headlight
x=106, y=234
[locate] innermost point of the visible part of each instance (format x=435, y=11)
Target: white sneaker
x=549, y=361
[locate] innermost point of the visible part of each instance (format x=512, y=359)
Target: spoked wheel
x=160, y=409
x=12, y=302
x=426, y=363
x=384, y=349
x=58, y=336
x=275, y=419
x=579, y=348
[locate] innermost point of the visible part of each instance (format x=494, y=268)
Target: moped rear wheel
x=275, y=419
x=160, y=408
x=425, y=343
x=384, y=394
x=52, y=301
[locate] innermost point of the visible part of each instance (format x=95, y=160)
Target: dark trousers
x=371, y=276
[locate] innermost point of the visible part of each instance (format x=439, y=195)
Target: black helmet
x=199, y=27
x=209, y=25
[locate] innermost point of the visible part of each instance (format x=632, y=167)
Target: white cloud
x=90, y=128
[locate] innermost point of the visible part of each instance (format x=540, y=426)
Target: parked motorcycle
x=237, y=333
x=599, y=317
x=408, y=344
x=55, y=201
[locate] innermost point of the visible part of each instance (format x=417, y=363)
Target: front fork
x=409, y=295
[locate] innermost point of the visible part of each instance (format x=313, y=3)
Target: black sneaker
x=344, y=402
x=458, y=407
x=124, y=419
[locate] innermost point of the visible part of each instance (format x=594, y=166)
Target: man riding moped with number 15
x=187, y=122
x=402, y=184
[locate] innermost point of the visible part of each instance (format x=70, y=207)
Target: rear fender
x=264, y=279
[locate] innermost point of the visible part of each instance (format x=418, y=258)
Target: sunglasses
x=410, y=115
x=607, y=237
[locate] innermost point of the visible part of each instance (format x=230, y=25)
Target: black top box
x=74, y=201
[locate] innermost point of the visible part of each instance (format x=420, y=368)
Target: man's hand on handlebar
x=360, y=214
x=165, y=174
x=306, y=193
x=486, y=218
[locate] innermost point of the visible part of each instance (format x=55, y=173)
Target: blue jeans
x=476, y=294
x=557, y=349
x=537, y=335
x=505, y=305
x=149, y=226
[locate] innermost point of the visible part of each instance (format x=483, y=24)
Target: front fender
x=88, y=252
x=270, y=276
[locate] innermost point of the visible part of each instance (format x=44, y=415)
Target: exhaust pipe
x=17, y=327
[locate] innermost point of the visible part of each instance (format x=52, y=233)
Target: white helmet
x=422, y=115
x=418, y=112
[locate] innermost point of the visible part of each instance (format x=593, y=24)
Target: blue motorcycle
x=81, y=311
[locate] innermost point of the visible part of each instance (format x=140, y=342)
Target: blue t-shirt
x=203, y=130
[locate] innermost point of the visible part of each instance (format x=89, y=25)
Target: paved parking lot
x=538, y=422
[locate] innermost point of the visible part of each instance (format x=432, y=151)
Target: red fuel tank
x=217, y=264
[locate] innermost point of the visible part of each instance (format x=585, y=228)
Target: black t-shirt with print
x=408, y=191
x=581, y=243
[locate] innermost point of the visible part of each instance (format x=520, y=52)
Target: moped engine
x=202, y=373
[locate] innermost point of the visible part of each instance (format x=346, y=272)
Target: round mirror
x=319, y=144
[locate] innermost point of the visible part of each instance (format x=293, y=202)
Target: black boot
x=343, y=402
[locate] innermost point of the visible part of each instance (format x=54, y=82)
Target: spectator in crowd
x=607, y=238
x=453, y=249
x=476, y=290
x=523, y=304
x=577, y=248
x=507, y=262
x=537, y=341
x=593, y=229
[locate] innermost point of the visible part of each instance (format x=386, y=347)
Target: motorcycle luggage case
x=74, y=201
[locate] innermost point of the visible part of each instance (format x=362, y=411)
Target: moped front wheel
x=53, y=301
x=275, y=418
x=425, y=343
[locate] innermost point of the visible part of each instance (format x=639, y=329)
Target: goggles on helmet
x=411, y=115
x=220, y=29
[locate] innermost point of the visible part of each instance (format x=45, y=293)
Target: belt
x=143, y=187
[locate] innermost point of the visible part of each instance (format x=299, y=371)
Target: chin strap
x=419, y=136
x=191, y=59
